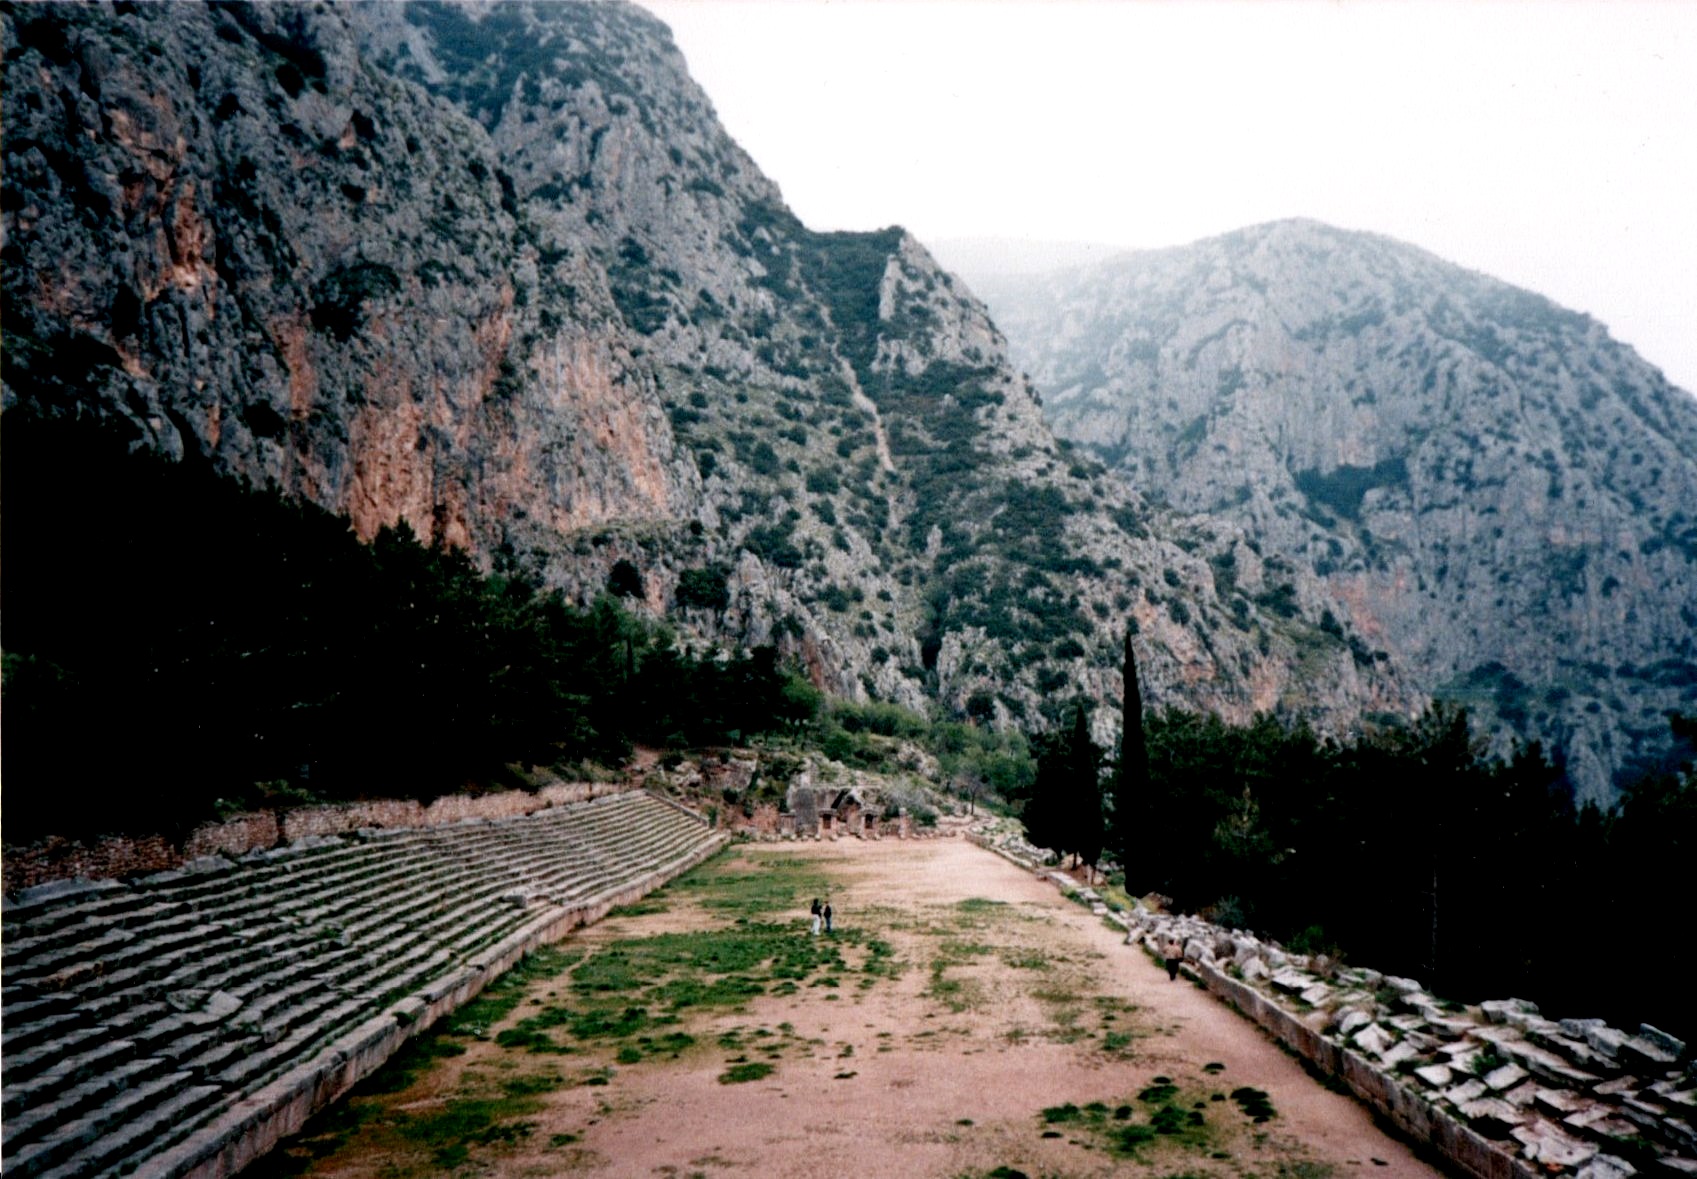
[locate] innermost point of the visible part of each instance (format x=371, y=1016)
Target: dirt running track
x=999, y=1013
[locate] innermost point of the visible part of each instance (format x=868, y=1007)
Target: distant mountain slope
x=1488, y=485
x=497, y=271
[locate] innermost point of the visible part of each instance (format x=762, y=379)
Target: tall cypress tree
x=1085, y=828
x=1131, y=776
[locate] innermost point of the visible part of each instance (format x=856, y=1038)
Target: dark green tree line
x=172, y=639
x=1410, y=851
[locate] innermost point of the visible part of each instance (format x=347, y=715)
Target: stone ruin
x=1497, y=1088
x=829, y=812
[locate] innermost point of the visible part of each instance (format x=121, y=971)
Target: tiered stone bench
x=1498, y=1089
x=179, y=1024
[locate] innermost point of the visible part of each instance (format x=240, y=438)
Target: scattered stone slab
x=1607, y=1166
x=1543, y=1143
x=1662, y=1040
x=1438, y=1076
x=1497, y=1010
x=1402, y=986
x=1559, y=1103
x=1374, y=1039
x=1617, y=1087
x=1292, y=982
x=1609, y=1041
x=1316, y=995
x=1469, y=1090
x=1351, y=1020
x=1505, y=1077
x=1401, y=1052
x=1643, y=1050
x=1492, y=1116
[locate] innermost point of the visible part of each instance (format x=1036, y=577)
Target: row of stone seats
x=137, y=1012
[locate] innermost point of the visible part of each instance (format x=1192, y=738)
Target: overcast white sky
x=1552, y=144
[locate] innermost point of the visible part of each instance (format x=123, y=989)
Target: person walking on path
x=1175, y=954
x=827, y=916
x=817, y=914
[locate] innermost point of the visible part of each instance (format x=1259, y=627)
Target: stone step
x=65, y=1070
x=112, y=1004
x=71, y=1139
x=47, y=1110
x=161, y=1126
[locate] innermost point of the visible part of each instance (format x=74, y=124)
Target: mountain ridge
x=494, y=271
x=1435, y=445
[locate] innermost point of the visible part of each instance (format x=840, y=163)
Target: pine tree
x=1131, y=776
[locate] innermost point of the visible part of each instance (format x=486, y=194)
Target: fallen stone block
x=1681, y=1132
x=1674, y=1094
x=1675, y=1165
x=1471, y=1089
x=1449, y=1025
x=1609, y=1041
x=1543, y=1143
x=1317, y=994
x=1400, y=1052
x=1644, y=1113
x=1374, y=1039
x=1599, y=1125
x=1492, y=1117
x=1352, y=1019
x=1642, y=1052
x=1607, y=1166
x=1438, y=1076
x=1402, y=986
x=1559, y=1103
x=1578, y=1027
x=1617, y=1087
x=1497, y=1010
x=1521, y=1095
x=1292, y=982
x=1662, y=1040
x=1464, y=1058
x=1502, y=1078
x=1256, y=969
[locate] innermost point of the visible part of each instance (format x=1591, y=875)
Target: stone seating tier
x=148, y=1023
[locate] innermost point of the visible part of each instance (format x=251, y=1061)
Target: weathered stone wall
x=1497, y=1089
x=128, y=855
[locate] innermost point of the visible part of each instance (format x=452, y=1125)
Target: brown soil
x=1000, y=1012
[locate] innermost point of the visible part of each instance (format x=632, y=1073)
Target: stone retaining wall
x=115, y=856
x=1496, y=1089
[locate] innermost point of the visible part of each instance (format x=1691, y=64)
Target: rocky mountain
x=1487, y=485
x=496, y=271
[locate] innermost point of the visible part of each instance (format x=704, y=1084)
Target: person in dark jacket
x=827, y=916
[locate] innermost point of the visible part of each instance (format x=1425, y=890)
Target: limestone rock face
x=1488, y=486
x=496, y=272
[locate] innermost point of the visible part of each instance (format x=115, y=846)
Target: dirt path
x=965, y=1018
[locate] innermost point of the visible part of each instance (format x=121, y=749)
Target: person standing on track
x=818, y=913
x=1174, y=954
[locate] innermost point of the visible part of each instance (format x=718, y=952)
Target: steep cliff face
x=1486, y=484
x=496, y=271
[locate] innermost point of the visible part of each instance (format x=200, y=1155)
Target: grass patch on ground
x=503, y=996
x=754, y=885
